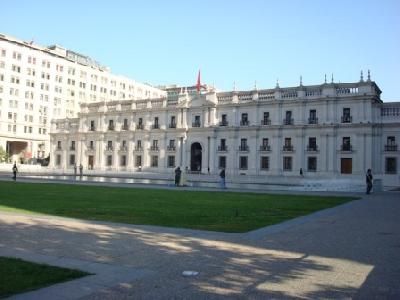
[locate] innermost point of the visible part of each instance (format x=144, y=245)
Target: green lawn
x=216, y=211
x=17, y=276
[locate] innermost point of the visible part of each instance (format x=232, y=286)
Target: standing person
x=15, y=170
x=222, y=176
x=80, y=170
x=177, y=175
x=182, y=181
x=301, y=172
x=369, y=180
x=75, y=169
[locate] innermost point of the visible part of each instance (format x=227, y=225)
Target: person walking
x=178, y=173
x=369, y=180
x=222, y=176
x=75, y=168
x=80, y=170
x=15, y=170
x=301, y=172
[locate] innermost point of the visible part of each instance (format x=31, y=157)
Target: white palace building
x=332, y=130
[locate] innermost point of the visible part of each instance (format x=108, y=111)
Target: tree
x=3, y=155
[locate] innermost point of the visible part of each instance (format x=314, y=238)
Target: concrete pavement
x=347, y=252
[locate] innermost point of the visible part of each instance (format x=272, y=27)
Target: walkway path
x=351, y=251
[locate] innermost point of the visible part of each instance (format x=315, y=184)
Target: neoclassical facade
x=332, y=130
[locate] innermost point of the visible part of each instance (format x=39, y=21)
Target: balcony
x=312, y=148
x=391, y=147
x=90, y=148
x=123, y=148
x=223, y=123
x=288, y=148
x=346, y=148
x=138, y=148
x=72, y=148
x=265, y=148
x=155, y=126
x=59, y=148
x=172, y=125
x=244, y=123
x=223, y=148
x=244, y=148
x=139, y=127
x=288, y=121
x=109, y=148
x=347, y=119
x=125, y=127
x=266, y=122
x=92, y=128
x=111, y=127
x=153, y=148
x=196, y=124
x=171, y=148
x=312, y=120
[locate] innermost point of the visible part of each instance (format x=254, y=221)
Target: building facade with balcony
x=39, y=83
x=332, y=130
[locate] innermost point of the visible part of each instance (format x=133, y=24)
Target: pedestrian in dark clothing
x=15, y=170
x=75, y=168
x=80, y=170
x=369, y=180
x=177, y=175
x=301, y=172
x=222, y=176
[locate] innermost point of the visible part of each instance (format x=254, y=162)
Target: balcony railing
x=91, y=148
x=123, y=148
x=244, y=148
x=346, y=148
x=223, y=148
x=109, y=148
x=390, y=147
x=288, y=121
x=172, y=125
x=139, y=126
x=312, y=148
x=223, y=123
x=59, y=148
x=244, y=123
x=266, y=122
x=195, y=124
x=72, y=148
x=312, y=120
x=138, y=148
x=265, y=148
x=288, y=148
x=155, y=126
x=92, y=128
x=125, y=127
x=347, y=119
x=153, y=148
x=111, y=127
x=171, y=148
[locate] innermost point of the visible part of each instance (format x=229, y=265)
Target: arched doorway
x=195, y=157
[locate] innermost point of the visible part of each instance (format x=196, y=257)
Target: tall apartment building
x=331, y=130
x=39, y=83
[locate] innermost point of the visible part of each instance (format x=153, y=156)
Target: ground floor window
x=138, y=161
x=264, y=163
x=58, y=160
x=72, y=159
x=222, y=162
x=346, y=166
x=390, y=165
x=154, y=161
x=123, y=161
x=109, y=160
x=312, y=164
x=287, y=163
x=171, y=161
x=243, y=163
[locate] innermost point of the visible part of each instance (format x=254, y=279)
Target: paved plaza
x=348, y=252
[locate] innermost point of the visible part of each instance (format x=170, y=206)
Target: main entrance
x=195, y=157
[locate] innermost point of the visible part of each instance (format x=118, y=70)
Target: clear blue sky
x=163, y=42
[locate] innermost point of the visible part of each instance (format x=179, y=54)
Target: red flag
x=198, y=83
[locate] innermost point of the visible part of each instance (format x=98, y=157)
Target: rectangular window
x=123, y=161
x=346, y=145
x=58, y=159
x=91, y=145
x=109, y=160
x=243, y=163
x=312, y=144
x=58, y=145
x=264, y=163
x=154, y=161
x=125, y=126
x=312, y=119
x=287, y=163
x=92, y=127
x=346, y=117
x=346, y=166
x=138, y=161
x=391, y=165
x=312, y=164
x=72, y=159
x=173, y=122
x=244, y=120
x=222, y=162
x=109, y=145
x=171, y=161
x=72, y=145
